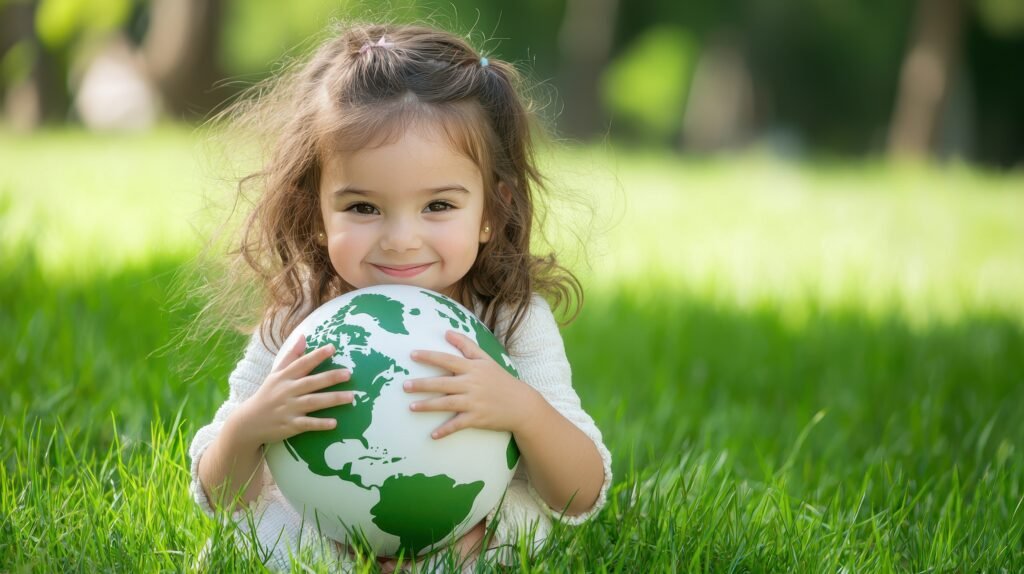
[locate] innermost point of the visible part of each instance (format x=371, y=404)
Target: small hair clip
x=380, y=43
x=484, y=62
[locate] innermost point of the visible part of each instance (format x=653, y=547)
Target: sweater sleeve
x=249, y=374
x=539, y=355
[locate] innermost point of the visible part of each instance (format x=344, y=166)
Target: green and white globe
x=379, y=475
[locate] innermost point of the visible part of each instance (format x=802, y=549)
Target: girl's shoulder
x=538, y=326
x=538, y=310
x=270, y=334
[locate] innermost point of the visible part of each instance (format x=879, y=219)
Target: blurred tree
x=33, y=69
x=648, y=82
x=181, y=50
x=585, y=40
x=817, y=75
x=29, y=78
x=43, y=41
x=825, y=72
x=926, y=77
x=720, y=111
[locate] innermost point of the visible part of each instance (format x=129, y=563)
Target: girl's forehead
x=457, y=129
x=417, y=158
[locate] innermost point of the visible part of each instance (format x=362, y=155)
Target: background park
x=799, y=225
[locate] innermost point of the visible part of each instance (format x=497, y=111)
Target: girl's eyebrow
x=430, y=190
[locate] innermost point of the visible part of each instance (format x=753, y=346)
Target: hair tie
x=484, y=63
x=382, y=43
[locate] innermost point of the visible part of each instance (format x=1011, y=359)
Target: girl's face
x=410, y=212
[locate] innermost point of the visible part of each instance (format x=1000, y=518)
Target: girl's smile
x=403, y=271
x=410, y=211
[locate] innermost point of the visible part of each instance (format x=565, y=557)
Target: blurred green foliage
x=646, y=86
x=16, y=63
x=1002, y=17
x=59, y=22
x=825, y=72
x=258, y=34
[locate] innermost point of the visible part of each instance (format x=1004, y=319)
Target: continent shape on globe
x=400, y=510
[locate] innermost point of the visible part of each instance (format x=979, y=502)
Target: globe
x=379, y=478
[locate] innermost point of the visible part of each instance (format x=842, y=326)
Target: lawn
x=797, y=367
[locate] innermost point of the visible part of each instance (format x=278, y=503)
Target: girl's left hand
x=481, y=393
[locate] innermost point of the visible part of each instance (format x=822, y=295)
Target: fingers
x=318, y=401
x=304, y=424
x=447, y=385
x=306, y=363
x=449, y=403
x=451, y=363
x=454, y=424
x=313, y=383
x=465, y=345
x=298, y=348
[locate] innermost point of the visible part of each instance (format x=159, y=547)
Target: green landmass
x=387, y=312
x=421, y=510
x=371, y=371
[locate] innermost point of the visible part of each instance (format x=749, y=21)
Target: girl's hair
x=361, y=88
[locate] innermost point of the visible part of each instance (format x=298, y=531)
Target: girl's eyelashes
x=437, y=206
x=362, y=209
x=367, y=209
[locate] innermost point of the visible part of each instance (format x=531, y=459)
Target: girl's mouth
x=404, y=271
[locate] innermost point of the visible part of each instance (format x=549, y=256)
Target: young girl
x=402, y=156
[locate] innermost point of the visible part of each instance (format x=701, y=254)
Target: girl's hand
x=481, y=393
x=278, y=410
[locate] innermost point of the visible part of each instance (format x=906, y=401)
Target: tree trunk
x=41, y=96
x=719, y=112
x=181, y=55
x=926, y=77
x=586, y=41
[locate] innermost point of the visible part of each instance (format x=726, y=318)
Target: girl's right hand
x=279, y=408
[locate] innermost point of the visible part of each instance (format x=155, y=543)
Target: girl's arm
x=231, y=465
x=227, y=455
x=564, y=465
x=566, y=459
x=568, y=464
x=208, y=471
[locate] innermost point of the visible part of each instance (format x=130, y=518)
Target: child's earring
x=321, y=238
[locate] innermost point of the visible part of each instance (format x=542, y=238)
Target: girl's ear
x=485, y=228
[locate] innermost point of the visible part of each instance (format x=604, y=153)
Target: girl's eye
x=362, y=209
x=436, y=206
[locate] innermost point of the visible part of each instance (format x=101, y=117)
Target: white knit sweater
x=539, y=355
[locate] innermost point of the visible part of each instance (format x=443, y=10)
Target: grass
x=782, y=389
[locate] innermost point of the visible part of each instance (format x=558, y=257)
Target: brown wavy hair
x=354, y=92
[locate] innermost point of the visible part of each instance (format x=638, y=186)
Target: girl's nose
x=401, y=234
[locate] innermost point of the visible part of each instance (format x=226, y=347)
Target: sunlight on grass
x=749, y=230
x=929, y=242
x=93, y=203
